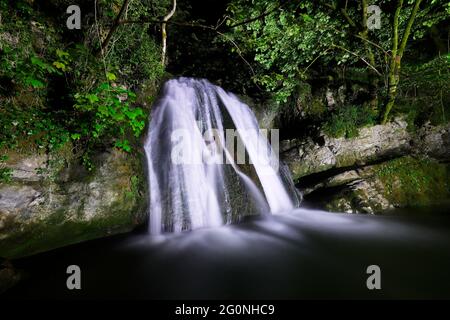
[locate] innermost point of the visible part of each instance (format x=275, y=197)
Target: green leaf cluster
x=55, y=88
x=296, y=41
x=109, y=107
x=5, y=173
x=345, y=121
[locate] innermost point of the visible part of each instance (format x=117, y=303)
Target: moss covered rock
x=383, y=167
x=398, y=183
x=323, y=153
x=52, y=201
x=371, y=145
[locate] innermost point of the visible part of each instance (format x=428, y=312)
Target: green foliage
x=110, y=113
x=432, y=80
x=20, y=124
x=24, y=47
x=5, y=173
x=299, y=40
x=283, y=43
x=346, y=121
x=55, y=89
x=134, y=188
x=132, y=51
x=29, y=72
x=414, y=182
x=27, y=56
x=63, y=61
x=136, y=56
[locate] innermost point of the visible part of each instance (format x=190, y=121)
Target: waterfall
x=208, y=162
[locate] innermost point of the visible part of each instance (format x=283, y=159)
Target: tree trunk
x=373, y=77
x=114, y=27
x=163, y=32
x=397, y=54
x=392, y=83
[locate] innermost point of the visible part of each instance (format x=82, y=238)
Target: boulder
x=384, y=167
x=372, y=144
x=52, y=201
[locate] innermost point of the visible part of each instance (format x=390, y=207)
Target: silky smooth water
x=298, y=254
x=191, y=160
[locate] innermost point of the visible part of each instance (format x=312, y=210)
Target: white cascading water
x=191, y=161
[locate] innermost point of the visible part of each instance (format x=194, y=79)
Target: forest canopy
x=300, y=41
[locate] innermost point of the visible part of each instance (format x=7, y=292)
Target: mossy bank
x=51, y=200
x=406, y=182
x=381, y=168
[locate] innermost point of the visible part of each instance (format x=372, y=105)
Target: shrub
x=5, y=173
x=111, y=116
x=345, y=121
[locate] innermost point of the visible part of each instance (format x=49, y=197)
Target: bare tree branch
x=163, y=31
x=256, y=18
x=114, y=26
x=358, y=56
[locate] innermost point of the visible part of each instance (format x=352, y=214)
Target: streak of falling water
x=191, y=163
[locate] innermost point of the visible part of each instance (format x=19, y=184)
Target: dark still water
x=302, y=254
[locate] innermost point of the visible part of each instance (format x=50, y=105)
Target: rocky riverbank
x=385, y=166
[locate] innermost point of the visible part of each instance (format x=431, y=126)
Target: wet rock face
x=372, y=172
x=52, y=202
x=433, y=142
x=372, y=144
x=353, y=191
x=266, y=115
